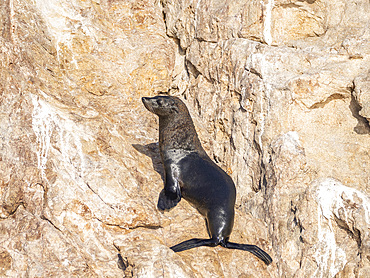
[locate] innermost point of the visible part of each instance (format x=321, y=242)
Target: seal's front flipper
x=168, y=201
x=192, y=243
x=255, y=250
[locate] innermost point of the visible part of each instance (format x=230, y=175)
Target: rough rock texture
x=280, y=95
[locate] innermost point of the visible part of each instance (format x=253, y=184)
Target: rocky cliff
x=279, y=91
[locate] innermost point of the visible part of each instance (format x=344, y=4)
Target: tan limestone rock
x=279, y=94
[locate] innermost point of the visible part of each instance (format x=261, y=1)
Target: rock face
x=280, y=95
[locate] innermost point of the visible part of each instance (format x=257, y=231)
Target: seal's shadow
x=152, y=150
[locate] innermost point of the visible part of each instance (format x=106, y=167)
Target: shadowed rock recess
x=279, y=92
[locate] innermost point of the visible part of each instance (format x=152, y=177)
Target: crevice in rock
x=198, y=106
x=98, y=196
x=191, y=69
x=353, y=233
x=150, y=227
x=296, y=221
x=204, y=40
x=254, y=71
x=232, y=143
x=326, y=101
x=13, y=209
x=164, y=16
x=124, y=264
x=181, y=51
x=145, y=226
x=43, y=217
x=215, y=158
x=288, y=5
x=363, y=125
x=262, y=182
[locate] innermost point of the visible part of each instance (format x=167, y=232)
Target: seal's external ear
x=175, y=109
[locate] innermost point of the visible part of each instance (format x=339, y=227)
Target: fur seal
x=192, y=175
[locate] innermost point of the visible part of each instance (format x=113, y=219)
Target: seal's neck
x=178, y=132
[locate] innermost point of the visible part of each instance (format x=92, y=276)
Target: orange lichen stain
x=304, y=87
x=5, y=262
x=80, y=208
x=229, y=171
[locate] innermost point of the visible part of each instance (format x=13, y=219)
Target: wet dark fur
x=192, y=175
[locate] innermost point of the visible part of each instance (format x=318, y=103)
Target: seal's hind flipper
x=192, y=243
x=196, y=242
x=255, y=250
x=166, y=202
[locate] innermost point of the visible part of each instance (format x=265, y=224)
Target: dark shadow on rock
x=363, y=126
x=121, y=263
x=152, y=150
x=125, y=266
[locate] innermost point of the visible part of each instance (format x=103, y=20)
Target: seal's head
x=176, y=128
x=161, y=105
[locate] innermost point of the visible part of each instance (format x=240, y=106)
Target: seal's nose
x=146, y=102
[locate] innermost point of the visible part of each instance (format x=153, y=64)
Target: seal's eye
x=160, y=102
